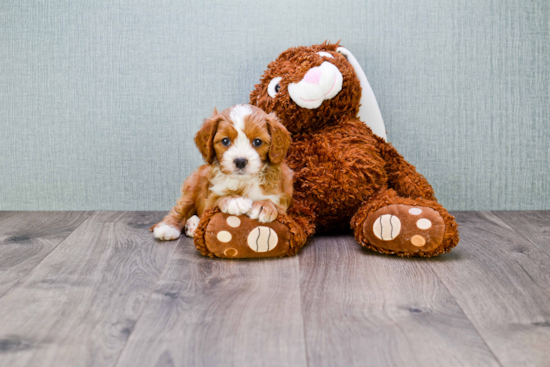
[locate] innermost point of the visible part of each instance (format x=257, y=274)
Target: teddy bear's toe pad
x=231, y=236
x=405, y=229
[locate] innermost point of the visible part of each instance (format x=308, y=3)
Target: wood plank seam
x=219, y=328
x=78, y=307
x=512, y=227
x=89, y=213
x=500, y=280
x=466, y=315
x=148, y=299
x=302, y=311
x=385, y=308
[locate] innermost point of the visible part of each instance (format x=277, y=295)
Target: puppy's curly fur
x=244, y=149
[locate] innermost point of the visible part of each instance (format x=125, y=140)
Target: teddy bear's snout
x=313, y=76
x=318, y=84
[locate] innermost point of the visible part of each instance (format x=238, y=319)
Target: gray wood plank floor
x=26, y=238
x=95, y=289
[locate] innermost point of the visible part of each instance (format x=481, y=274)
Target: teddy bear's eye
x=343, y=54
x=226, y=142
x=274, y=87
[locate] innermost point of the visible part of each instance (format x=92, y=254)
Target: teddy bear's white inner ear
x=369, y=112
x=325, y=54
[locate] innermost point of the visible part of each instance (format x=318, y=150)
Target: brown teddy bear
x=345, y=176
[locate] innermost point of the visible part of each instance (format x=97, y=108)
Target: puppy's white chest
x=255, y=193
x=224, y=184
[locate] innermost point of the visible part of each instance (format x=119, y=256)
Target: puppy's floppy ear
x=280, y=139
x=204, y=140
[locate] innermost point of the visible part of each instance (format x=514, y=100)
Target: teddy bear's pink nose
x=313, y=76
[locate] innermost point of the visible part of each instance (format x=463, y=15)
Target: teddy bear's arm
x=402, y=176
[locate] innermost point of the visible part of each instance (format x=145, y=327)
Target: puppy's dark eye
x=226, y=142
x=257, y=142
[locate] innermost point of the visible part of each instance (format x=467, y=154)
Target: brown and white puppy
x=244, y=149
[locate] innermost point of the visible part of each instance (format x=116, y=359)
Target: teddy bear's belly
x=335, y=176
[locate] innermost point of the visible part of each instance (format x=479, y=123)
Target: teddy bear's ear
x=204, y=140
x=369, y=112
x=280, y=139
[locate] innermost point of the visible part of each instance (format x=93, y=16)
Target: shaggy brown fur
x=343, y=172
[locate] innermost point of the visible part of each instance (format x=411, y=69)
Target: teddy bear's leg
x=392, y=224
x=229, y=236
x=402, y=176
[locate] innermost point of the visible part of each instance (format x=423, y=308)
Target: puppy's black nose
x=240, y=163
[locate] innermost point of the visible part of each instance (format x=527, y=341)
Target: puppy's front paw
x=235, y=205
x=263, y=211
x=165, y=232
x=191, y=225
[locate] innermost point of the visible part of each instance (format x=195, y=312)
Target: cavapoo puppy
x=244, y=149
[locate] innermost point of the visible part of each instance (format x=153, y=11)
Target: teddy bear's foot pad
x=405, y=229
x=231, y=236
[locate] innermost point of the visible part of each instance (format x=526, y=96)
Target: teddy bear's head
x=309, y=87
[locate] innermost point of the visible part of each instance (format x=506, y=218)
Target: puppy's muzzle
x=240, y=163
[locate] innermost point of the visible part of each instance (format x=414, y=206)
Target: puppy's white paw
x=235, y=206
x=263, y=211
x=165, y=232
x=191, y=225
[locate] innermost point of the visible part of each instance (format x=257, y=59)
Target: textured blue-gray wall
x=99, y=100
